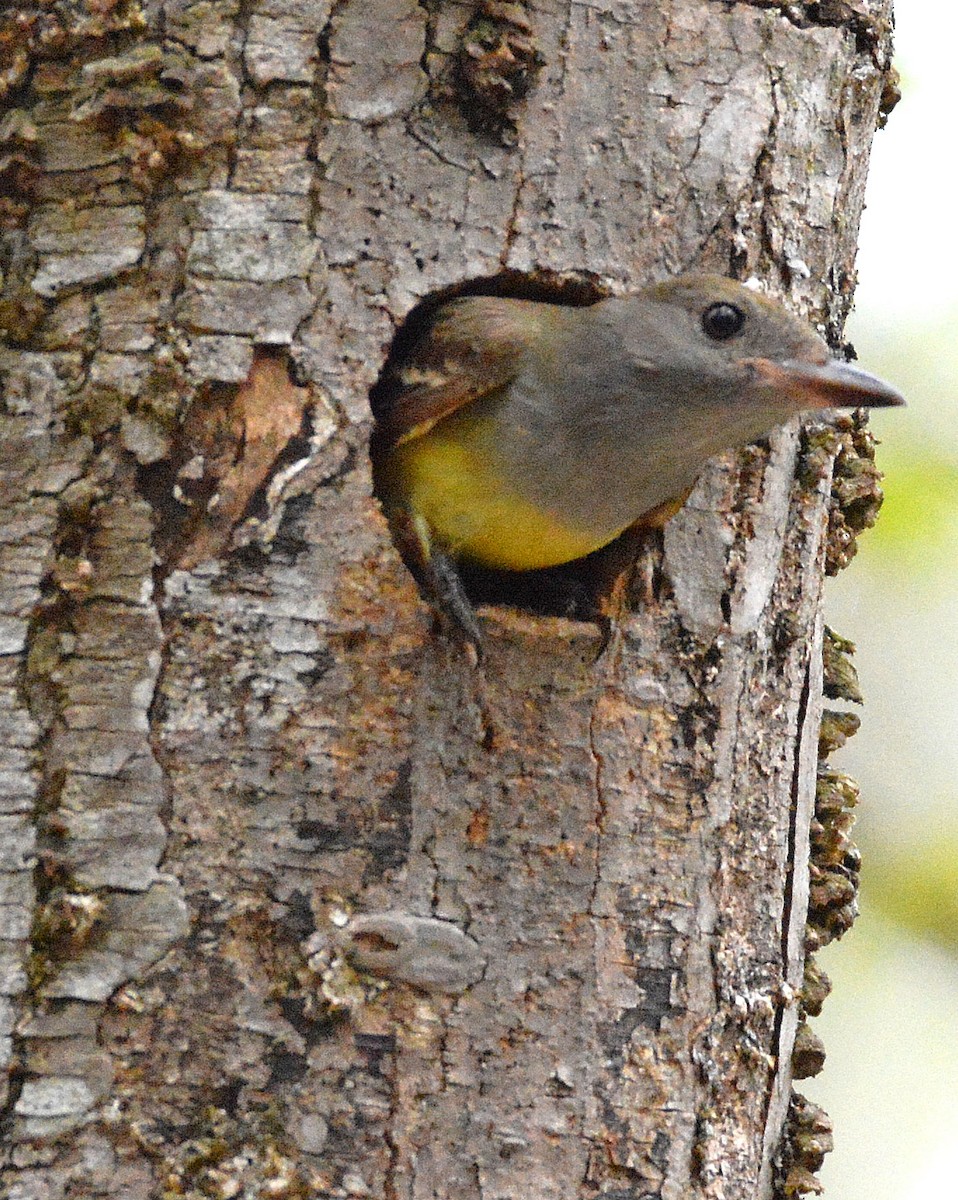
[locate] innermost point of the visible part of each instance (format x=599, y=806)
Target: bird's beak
x=830, y=384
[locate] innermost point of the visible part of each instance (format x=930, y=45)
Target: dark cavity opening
x=576, y=589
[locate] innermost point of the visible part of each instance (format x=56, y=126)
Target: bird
x=516, y=435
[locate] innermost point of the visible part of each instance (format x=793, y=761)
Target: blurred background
x=891, y=1024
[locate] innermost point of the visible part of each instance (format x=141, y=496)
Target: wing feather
x=472, y=346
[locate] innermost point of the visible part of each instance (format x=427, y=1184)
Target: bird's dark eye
x=722, y=321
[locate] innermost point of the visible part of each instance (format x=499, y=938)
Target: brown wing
x=471, y=346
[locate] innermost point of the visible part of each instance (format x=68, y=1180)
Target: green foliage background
x=891, y=1024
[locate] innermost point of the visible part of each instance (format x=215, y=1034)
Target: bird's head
x=735, y=346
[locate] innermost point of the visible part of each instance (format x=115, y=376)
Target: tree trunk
x=282, y=918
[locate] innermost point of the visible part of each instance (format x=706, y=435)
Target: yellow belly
x=448, y=482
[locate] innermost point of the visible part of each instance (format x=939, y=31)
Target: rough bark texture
x=278, y=921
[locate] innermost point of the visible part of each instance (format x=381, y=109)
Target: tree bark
x=281, y=918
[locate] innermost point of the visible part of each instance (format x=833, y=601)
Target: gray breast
x=596, y=444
